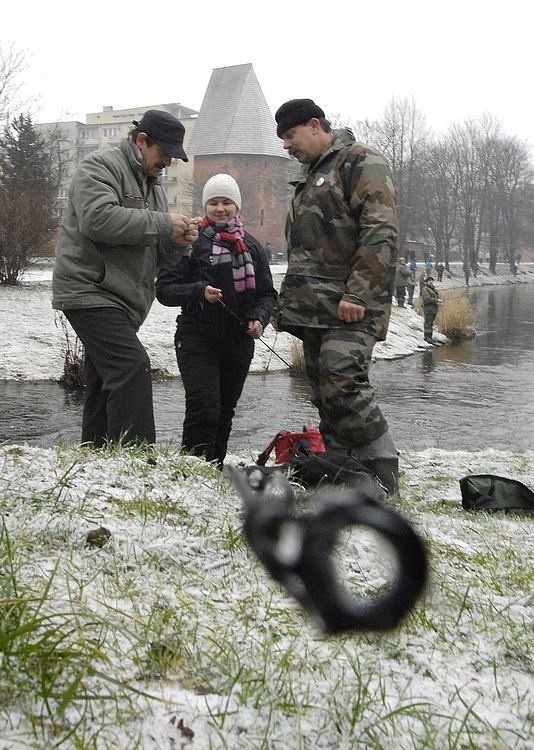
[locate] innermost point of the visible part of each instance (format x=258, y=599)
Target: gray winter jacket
x=402, y=275
x=113, y=229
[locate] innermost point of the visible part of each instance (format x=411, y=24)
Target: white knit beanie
x=221, y=186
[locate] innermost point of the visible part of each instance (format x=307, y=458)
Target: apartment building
x=109, y=127
x=234, y=132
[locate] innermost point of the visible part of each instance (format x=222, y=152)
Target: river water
x=479, y=393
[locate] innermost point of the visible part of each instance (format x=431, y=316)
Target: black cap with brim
x=171, y=149
x=165, y=130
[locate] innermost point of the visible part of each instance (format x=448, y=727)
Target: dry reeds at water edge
x=73, y=376
x=297, y=355
x=456, y=318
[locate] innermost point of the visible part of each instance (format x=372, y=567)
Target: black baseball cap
x=165, y=130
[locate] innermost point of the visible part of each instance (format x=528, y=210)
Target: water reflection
x=459, y=353
x=427, y=362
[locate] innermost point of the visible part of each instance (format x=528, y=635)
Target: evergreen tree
x=28, y=189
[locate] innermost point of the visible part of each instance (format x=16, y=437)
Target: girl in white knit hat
x=226, y=294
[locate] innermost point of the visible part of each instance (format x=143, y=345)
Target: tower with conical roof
x=236, y=133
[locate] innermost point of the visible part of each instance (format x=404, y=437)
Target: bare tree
x=510, y=174
x=474, y=184
x=439, y=184
x=400, y=135
x=12, y=64
x=466, y=143
x=526, y=210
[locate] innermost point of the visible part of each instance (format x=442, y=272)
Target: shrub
x=456, y=318
x=73, y=376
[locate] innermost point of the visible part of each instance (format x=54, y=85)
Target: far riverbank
x=33, y=340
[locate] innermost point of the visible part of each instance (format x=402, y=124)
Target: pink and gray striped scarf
x=242, y=266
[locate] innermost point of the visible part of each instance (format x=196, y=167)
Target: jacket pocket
x=133, y=201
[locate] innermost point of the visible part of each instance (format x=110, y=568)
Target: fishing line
x=271, y=354
x=291, y=368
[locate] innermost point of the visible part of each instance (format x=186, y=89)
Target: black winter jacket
x=183, y=286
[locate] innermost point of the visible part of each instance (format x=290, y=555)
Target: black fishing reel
x=296, y=547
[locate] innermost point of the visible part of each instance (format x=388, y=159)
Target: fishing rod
x=292, y=368
x=271, y=354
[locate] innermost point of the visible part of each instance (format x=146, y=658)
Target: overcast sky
x=457, y=60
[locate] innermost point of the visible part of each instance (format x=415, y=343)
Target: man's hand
x=348, y=312
x=184, y=230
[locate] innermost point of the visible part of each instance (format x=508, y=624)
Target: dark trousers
x=214, y=365
x=400, y=295
x=118, y=404
x=429, y=317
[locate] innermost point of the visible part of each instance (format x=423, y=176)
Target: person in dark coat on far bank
x=403, y=276
x=225, y=290
x=410, y=290
x=467, y=272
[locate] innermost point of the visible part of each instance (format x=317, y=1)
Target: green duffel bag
x=492, y=493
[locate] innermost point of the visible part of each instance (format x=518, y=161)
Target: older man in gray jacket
x=115, y=229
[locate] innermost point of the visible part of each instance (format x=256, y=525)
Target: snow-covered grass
x=134, y=615
x=171, y=634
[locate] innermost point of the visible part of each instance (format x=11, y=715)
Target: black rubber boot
x=381, y=459
x=386, y=470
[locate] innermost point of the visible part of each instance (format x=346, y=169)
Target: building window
x=89, y=133
x=83, y=152
x=262, y=212
x=109, y=132
x=62, y=193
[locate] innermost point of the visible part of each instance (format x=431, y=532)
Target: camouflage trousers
x=428, y=326
x=337, y=363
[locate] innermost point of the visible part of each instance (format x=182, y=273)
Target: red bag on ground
x=286, y=444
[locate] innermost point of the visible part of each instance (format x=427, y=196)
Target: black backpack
x=304, y=456
x=330, y=466
x=492, y=493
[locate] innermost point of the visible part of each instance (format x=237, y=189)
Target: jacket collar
x=342, y=138
x=135, y=160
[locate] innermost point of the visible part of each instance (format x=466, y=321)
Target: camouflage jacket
x=341, y=236
x=430, y=299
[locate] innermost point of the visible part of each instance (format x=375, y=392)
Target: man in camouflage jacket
x=341, y=236
x=430, y=302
